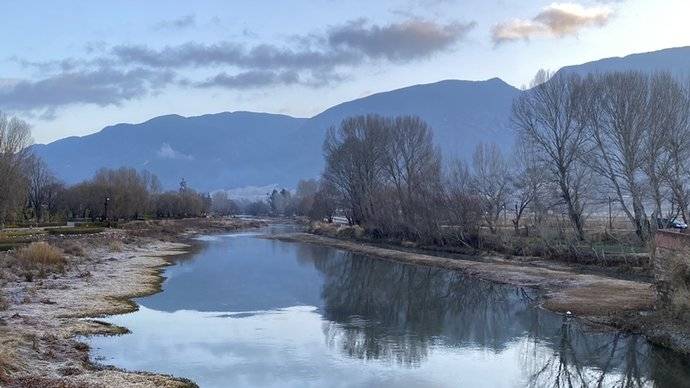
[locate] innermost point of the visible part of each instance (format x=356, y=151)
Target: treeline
x=278, y=203
x=30, y=193
x=582, y=142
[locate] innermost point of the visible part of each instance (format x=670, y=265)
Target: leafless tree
x=665, y=117
x=676, y=121
x=43, y=188
x=549, y=117
x=491, y=181
x=15, y=137
x=529, y=183
x=354, y=155
x=618, y=126
x=222, y=205
x=412, y=165
x=462, y=204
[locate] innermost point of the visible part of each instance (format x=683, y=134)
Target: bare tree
x=462, y=204
x=222, y=205
x=15, y=137
x=491, y=181
x=675, y=116
x=617, y=112
x=529, y=183
x=664, y=117
x=412, y=164
x=43, y=187
x=549, y=118
x=354, y=155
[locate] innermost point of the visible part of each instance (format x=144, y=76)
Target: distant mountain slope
x=462, y=113
x=674, y=60
x=210, y=151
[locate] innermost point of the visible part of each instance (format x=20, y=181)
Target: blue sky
x=71, y=68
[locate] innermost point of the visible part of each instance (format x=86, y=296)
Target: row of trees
x=581, y=140
x=624, y=135
x=30, y=192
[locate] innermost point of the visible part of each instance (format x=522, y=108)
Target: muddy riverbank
x=596, y=298
x=43, y=316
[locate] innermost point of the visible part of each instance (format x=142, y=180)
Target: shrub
x=116, y=246
x=3, y=303
x=41, y=254
x=72, y=248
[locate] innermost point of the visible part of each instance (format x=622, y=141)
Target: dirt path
x=586, y=295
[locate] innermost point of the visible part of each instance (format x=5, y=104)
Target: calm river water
x=243, y=311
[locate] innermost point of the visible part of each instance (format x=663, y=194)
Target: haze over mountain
x=230, y=150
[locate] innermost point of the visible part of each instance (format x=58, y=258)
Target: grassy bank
x=618, y=252
x=47, y=285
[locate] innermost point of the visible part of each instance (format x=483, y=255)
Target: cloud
x=345, y=45
x=167, y=152
x=404, y=41
x=263, y=56
x=180, y=23
x=113, y=75
x=103, y=86
x=556, y=20
x=251, y=79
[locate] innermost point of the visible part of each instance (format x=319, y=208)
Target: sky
x=72, y=68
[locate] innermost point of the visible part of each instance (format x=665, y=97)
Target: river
x=246, y=311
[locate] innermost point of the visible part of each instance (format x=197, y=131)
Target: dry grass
x=72, y=248
x=3, y=303
x=8, y=360
x=41, y=255
x=116, y=246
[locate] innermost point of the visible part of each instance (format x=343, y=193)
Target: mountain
x=211, y=151
x=674, y=60
x=234, y=150
x=230, y=150
x=461, y=113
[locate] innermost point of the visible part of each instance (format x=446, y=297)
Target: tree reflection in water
x=399, y=313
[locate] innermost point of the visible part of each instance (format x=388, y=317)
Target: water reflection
x=411, y=309
x=246, y=311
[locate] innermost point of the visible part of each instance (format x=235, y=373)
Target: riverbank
x=598, y=299
x=43, y=316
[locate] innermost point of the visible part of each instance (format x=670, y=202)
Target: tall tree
x=412, y=165
x=354, y=154
x=618, y=126
x=43, y=187
x=549, y=117
x=15, y=137
x=491, y=181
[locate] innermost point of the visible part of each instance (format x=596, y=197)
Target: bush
x=72, y=248
x=75, y=230
x=42, y=255
x=116, y=246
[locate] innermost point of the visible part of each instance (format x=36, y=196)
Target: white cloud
x=167, y=152
x=556, y=20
